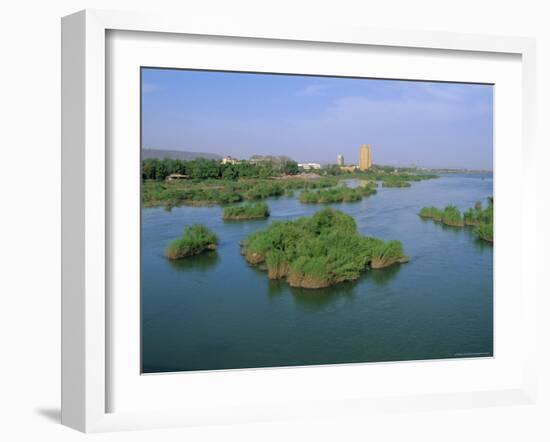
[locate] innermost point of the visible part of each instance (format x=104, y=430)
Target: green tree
x=291, y=168
x=230, y=172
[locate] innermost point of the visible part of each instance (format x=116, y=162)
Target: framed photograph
x=264, y=224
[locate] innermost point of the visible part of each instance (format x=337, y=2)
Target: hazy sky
x=313, y=119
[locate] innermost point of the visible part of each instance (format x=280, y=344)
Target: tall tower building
x=365, y=157
x=340, y=160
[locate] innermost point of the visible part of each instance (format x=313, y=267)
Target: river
x=215, y=312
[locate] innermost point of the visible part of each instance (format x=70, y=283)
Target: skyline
x=314, y=119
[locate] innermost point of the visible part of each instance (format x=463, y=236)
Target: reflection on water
x=214, y=311
x=321, y=299
x=202, y=262
x=382, y=277
x=312, y=298
x=481, y=245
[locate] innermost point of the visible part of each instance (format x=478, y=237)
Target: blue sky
x=313, y=119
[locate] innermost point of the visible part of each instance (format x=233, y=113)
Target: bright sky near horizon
x=313, y=119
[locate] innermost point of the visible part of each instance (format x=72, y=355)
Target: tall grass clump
x=246, y=211
x=431, y=213
x=470, y=217
x=318, y=251
x=395, y=182
x=451, y=216
x=340, y=194
x=264, y=189
x=484, y=231
x=196, y=239
x=385, y=254
x=483, y=220
x=478, y=217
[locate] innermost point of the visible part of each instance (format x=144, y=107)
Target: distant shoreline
x=186, y=155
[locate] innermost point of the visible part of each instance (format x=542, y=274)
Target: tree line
x=201, y=169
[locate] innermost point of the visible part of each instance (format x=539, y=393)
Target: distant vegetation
x=177, y=154
x=195, y=239
x=246, y=211
x=478, y=217
x=390, y=176
x=337, y=194
x=202, y=169
x=402, y=179
x=209, y=181
x=264, y=189
x=378, y=173
x=395, y=183
x=219, y=191
x=318, y=251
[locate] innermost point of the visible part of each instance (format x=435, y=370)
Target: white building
x=229, y=160
x=309, y=166
x=340, y=160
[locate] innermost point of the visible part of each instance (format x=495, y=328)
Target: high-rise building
x=365, y=157
x=340, y=160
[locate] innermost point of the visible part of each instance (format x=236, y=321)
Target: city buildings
x=340, y=160
x=308, y=166
x=230, y=160
x=365, y=157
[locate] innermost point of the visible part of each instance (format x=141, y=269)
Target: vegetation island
x=246, y=211
x=337, y=194
x=395, y=183
x=196, y=239
x=481, y=219
x=318, y=251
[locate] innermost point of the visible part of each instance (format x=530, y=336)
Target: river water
x=215, y=312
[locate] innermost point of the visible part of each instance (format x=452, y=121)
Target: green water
x=215, y=312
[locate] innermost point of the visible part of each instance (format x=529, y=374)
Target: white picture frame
x=85, y=209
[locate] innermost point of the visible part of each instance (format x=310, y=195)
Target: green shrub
x=385, y=254
x=430, y=212
x=484, y=221
x=484, y=231
x=195, y=239
x=264, y=190
x=451, y=216
x=336, y=194
x=246, y=211
x=471, y=217
x=478, y=217
x=392, y=182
